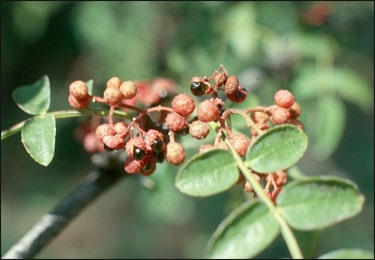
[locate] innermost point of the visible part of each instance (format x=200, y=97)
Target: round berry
x=78, y=103
x=259, y=117
x=136, y=148
x=112, y=96
x=128, y=89
x=238, y=96
x=279, y=115
x=154, y=140
x=240, y=143
x=132, y=166
x=199, y=129
x=79, y=90
x=280, y=177
x=114, y=142
x=175, y=122
x=295, y=110
x=231, y=85
x=121, y=129
x=183, y=104
x=175, y=153
x=113, y=82
x=200, y=86
x=283, y=98
x=220, y=79
x=104, y=130
x=208, y=111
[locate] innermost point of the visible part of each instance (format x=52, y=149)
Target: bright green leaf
x=244, y=233
x=207, y=173
x=348, y=254
x=319, y=202
x=34, y=99
x=38, y=137
x=278, y=148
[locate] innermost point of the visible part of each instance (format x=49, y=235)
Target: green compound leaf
x=34, y=99
x=347, y=253
x=244, y=233
x=207, y=173
x=319, y=202
x=278, y=148
x=38, y=137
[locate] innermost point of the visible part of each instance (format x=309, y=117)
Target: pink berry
x=208, y=111
x=183, y=104
x=283, y=98
x=175, y=153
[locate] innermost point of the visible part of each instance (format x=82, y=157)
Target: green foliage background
x=325, y=58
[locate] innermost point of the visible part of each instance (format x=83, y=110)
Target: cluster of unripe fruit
x=146, y=146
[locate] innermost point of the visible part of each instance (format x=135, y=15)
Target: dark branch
x=51, y=224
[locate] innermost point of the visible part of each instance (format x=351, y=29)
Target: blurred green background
x=321, y=51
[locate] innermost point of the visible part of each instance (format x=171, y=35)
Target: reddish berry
x=133, y=166
x=220, y=79
x=175, y=153
x=113, y=82
x=79, y=90
x=231, y=85
x=175, y=122
x=149, y=168
x=238, y=96
x=200, y=86
x=240, y=143
x=78, y=104
x=279, y=115
x=136, y=148
x=208, y=111
x=183, y=104
x=280, y=178
x=283, y=98
x=121, y=129
x=112, y=96
x=199, y=129
x=295, y=110
x=114, y=142
x=259, y=117
x=128, y=89
x=154, y=140
x=104, y=130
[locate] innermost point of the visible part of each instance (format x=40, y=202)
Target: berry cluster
x=147, y=142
